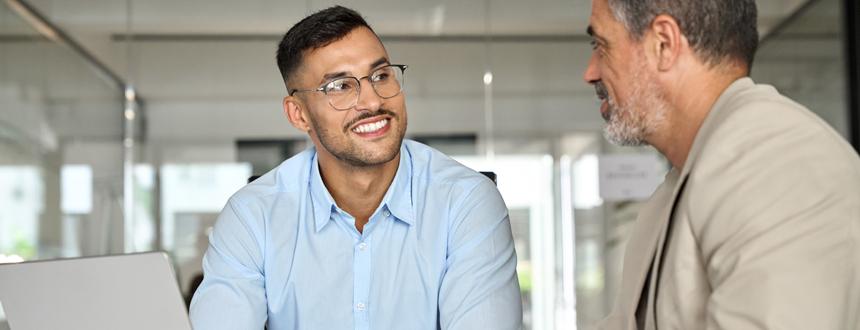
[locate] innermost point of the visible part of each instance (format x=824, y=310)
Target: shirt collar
x=322, y=201
x=398, y=198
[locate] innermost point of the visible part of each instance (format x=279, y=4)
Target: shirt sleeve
x=232, y=294
x=479, y=289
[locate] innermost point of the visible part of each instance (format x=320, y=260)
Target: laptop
x=131, y=291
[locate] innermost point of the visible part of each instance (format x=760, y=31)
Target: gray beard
x=643, y=114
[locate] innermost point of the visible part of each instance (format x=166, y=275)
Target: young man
x=365, y=230
x=757, y=225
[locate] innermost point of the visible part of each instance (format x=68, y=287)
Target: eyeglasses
x=342, y=93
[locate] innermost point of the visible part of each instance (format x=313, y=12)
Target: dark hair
x=716, y=29
x=315, y=31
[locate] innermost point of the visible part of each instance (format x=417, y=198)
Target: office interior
x=126, y=125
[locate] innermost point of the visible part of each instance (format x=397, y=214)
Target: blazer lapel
x=721, y=108
x=643, y=245
x=666, y=218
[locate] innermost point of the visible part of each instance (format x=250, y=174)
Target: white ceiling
x=275, y=17
x=222, y=69
x=98, y=24
x=389, y=17
x=93, y=22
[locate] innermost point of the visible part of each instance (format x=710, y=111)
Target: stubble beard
x=348, y=151
x=644, y=112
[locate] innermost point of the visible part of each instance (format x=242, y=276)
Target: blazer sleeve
x=778, y=215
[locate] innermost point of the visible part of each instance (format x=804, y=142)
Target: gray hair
x=717, y=30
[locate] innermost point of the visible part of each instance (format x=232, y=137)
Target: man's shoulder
x=433, y=168
x=453, y=188
x=758, y=120
x=766, y=147
x=760, y=107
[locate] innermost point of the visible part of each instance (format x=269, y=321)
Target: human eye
x=339, y=86
x=598, y=48
x=381, y=75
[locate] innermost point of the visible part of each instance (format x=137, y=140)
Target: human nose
x=592, y=72
x=368, y=100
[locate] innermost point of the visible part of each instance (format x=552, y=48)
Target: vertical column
x=851, y=12
x=50, y=225
x=128, y=169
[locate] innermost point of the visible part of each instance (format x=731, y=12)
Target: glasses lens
x=387, y=81
x=342, y=93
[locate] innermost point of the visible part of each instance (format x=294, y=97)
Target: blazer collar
x=715, y=117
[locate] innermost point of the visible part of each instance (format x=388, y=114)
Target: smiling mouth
x=373, y=127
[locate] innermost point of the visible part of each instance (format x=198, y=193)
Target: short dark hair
x=716, y=29
x=317, y=30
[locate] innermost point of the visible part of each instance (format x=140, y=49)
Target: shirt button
x=360, y=306
x=362, y=246
x=386, y=214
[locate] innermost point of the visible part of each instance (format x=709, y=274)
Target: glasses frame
x=402, y=68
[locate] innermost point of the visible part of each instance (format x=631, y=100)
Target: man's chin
x=372, y=161
x=376, y=155
x=374, y=152
x=622, y=137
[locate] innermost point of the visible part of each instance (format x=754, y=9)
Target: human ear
x=294, y=110
x=667, y=41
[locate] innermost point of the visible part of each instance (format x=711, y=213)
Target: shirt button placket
x=361, y=284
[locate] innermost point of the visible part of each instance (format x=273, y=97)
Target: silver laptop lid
x=133, y=291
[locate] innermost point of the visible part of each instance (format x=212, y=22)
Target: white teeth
x=371, y=127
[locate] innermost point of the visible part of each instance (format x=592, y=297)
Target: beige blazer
x=765, y=232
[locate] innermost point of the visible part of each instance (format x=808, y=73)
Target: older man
x=757, y=225
x=364, y=230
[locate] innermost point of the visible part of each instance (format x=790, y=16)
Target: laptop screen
x=133, y=291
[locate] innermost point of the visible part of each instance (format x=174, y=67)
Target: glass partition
x=60, y=153
x=805, y=61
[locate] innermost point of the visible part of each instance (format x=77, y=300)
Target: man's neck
x=690, y=99
x=357, y=190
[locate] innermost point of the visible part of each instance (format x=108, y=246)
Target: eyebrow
x=333, y=75
x=341, y=74
x=380, y=61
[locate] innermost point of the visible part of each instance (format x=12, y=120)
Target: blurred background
x=126, y=124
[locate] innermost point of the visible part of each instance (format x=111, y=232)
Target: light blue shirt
x=436, y=254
